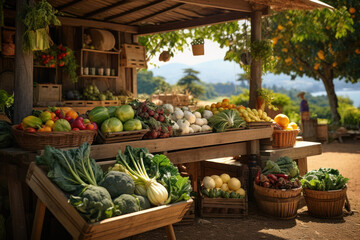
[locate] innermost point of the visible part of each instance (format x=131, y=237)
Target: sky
x=212, y=52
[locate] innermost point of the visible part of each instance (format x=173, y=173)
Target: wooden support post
x=16, y=204
x=256, y=66
x=170, y=232
x=302, y=164
x=38, y=220
x=23, y=83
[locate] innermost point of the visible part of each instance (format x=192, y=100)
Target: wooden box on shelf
x=133, y=56
x=47, y=93
x=75, y=103
x=223, y=207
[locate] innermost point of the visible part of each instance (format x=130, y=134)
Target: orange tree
x=321, y=44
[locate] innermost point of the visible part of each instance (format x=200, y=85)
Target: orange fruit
x=218, y=104
x=224, y=104
x=72, y=114
x=352, y=10
x=220, y=109
x=293, y=125
x=282, y=120
x=225, y=100
x=213, y=105
x=207, y=107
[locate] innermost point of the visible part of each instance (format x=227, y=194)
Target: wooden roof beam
x=78, y=22
x=105, y=9
x=235, y=5
x=213, y=19
x=145, y=18
x=67, y=5
x=140, y=8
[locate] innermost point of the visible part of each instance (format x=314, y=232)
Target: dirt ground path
x=345, y=157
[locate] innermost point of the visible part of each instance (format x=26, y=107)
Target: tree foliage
x=189, y=82
x=149, y=84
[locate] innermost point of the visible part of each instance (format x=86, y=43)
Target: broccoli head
x=144, y=201
x=94, y=203
x=118, y=183
x=126, y=203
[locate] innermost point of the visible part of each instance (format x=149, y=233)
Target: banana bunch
x=253, y=115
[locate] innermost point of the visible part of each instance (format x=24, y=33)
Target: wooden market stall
x=126, y=20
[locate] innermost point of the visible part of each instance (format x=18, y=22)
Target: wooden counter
x=299, y=153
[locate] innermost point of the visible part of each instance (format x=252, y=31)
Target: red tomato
x=63, y=49
x=89, y=127
x=76, y=129
x=43, y=56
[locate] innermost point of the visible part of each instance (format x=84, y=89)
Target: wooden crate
x=75, y=103
x=112, y=228
x=223, y=207
x=189, y=216
x=108, y=103
x=133, y=56
x=47, y=93
x=124, y=136
x=92, y=104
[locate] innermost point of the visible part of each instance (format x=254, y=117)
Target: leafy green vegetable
x=118, y=183
x=226, y=119
x=127, y=204
x=271, y=167
x=74, y=172
x=324, y=179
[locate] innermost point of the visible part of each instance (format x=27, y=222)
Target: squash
x=208, y=182
x=99, y=115
x=241, y=191
x=111, y=125
x=234, y=184
x=225, y=177
x=225, y=187
x=218, y=182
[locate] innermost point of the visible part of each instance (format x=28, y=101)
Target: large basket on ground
x=37, y=141
x=284, y=138
x=278, y=203
x=325, y=204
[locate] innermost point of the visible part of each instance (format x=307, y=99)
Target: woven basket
x=325, y=204
x=37, y=141
x=284, y=138
x=278, y=202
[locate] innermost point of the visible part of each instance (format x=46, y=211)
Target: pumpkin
x=99, y=115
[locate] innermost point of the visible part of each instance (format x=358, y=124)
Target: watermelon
x=99, y=115
x=111, y=125
x=112, y=110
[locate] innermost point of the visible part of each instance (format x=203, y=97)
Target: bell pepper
x=272, y=176
x=31, y=121
x=78, y=123
x=45, y=116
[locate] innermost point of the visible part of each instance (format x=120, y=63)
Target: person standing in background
x=304, y=107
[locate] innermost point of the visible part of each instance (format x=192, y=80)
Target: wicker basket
x=325, y=204
x=278, y=202
x=37, y=141
x=284, y=138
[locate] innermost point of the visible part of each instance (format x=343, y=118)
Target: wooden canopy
x=150, y=16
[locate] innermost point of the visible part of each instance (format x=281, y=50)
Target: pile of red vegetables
x=155, y=118
x=276, y=181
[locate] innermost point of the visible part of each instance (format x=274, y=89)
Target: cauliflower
x=118, y=183
x=207, y=114
x=205, y=121
x=127, y=204
x=168, y=107
x=189, y=116
x=196, y=128
x=191, y=130
x=185, y=108
x=179, y=114
x=175, y=126
x=199, y=122
x=205, y=128
x=197, y=114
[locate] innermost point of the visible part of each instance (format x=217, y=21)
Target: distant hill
x=224, y=71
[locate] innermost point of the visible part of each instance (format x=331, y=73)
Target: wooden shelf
x=99, y=51
x=96, y=76
x=39, y=66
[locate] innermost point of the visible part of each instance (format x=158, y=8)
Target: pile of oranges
x=283, y=121
x=221, y=106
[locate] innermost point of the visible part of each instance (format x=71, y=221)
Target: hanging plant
x=61, y=56
x=197, y=46
x=37, y=19
x=265, y=98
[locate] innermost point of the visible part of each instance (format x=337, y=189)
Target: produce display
x=115, y=119
x=324, y=179
x=57, y=120
x=221, y=106
x=98, y=196
x=254, y=115
x=283, y=123
x=91, y=92
x=188, y=122
x=222, y=187
x=226, y=119
x=155, y=118
x=281, y=174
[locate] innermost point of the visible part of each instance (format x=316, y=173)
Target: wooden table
x=299, y=153
x=184, y=149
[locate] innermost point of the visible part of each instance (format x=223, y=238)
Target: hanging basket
x=198, y=49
